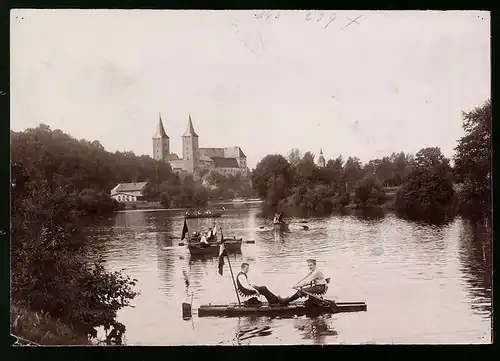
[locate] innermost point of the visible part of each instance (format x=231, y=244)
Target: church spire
x=321, y=159
x=190, y=129
x=160, y=130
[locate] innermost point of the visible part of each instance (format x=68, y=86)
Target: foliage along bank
x=426, y=183
x=56, y=181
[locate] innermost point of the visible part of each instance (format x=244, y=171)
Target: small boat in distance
x=207, y=242
x=279, y=221
x=232, y=245
x=206, y=214
x=239, y=200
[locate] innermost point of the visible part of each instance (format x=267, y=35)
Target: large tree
x=273, y=165
x=427, y=192
x=473, y=161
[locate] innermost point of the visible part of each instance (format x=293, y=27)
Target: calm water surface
x=422, y=284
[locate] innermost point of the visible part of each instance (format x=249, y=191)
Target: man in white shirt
x=248, y=289
x=314, y=282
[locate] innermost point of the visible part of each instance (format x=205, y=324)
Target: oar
x=322, y=300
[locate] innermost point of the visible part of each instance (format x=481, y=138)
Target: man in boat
x=211, y=234
x=278, y=218
x=314, y=282
x=204, y=241
x=247, y=289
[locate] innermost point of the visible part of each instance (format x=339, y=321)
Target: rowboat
x=232, y=245
x=292, y=309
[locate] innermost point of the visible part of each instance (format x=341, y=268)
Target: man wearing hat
x=314, y=282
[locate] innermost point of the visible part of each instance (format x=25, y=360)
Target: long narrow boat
x=293, y=309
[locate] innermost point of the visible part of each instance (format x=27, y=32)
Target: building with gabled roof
x=128, y=192
x=227, y=161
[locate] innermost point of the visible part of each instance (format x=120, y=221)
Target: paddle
x=321, y=300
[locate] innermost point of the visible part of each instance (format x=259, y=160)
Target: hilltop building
x=226, y=161
x=321, y=159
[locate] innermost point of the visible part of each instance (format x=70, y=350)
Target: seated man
x=314, y=282
x=204, y=241
x=210, y=235
x=247, y=289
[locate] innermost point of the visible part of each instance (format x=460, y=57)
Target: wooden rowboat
x=232, y=245
x=293, y=309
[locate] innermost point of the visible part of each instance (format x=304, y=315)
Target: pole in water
x=186, y=311
x=232, y=276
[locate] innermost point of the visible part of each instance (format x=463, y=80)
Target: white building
x=128, y=192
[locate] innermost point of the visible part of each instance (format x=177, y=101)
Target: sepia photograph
x=250, y=177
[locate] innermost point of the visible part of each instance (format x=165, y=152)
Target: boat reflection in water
x=316, y=329
x=250, y=329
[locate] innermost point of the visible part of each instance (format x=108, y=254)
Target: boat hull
x=293, y=309
x=231, y=246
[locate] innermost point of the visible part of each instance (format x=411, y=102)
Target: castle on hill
x=226, y=161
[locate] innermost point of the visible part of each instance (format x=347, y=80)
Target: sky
x=390, y=81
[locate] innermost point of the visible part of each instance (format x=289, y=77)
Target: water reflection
x=373, y=213
x=430, y=276
x=166, y=265
x=250, y=328
x=475, y=253
x=317, y=329
x=279, y=235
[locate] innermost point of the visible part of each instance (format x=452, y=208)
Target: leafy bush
x=42, y=329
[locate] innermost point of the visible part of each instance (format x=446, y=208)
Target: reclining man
x=247, y=289
x=314, y=282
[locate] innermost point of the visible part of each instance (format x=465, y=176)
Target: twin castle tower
x=227, y=161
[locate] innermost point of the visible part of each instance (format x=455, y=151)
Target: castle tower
x=161, y=142
x=321, y=159
x=190, y=148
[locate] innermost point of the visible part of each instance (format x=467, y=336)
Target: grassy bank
x=41, y=329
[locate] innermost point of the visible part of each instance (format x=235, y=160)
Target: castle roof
x=160, y=131
x=205, y=158
x=190, y=129
x=212, y=152
x=242, y=155
x=172, y=156
x=221, y=162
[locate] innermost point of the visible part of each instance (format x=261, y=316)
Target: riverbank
x=156, y=205
x=40, y=329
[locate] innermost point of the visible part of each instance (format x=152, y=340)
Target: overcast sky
x=391, y=81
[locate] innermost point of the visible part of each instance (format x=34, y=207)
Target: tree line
x=426, y=185
x=56, y=182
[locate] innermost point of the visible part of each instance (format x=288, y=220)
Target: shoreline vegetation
x=421, y=187
x=60, y=297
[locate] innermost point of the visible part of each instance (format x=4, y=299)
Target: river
x=422, y=284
